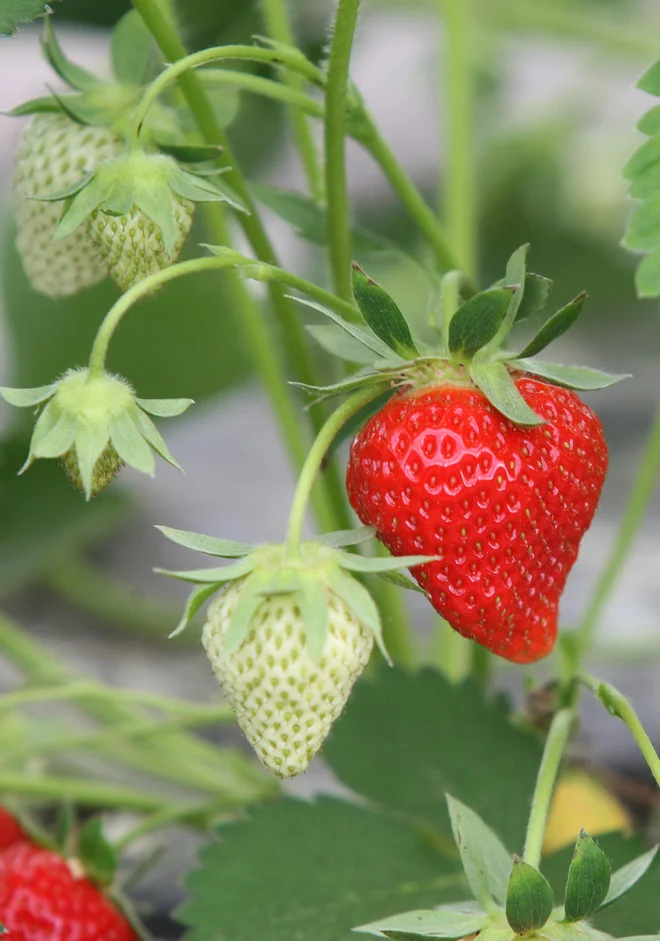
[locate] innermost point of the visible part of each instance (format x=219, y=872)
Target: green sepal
x=218, y=576
x=199, y=190
x=356, y=597
x=165, y=408
x=132, y=50
x=477, y=321
x=190, y=153
x=571, y=377
x=496, y=383
x=401, y=581
x=340, y=344
x=358, y=381
x=25, y=398
x=366, y=337
x=127, y=440
x=58, y=438
x=649, y=123
x=74, y=75
x=152, y=436
x=90, y=441
x=588, y=879
x=556, y=326
x=284, y=580
x=83, y=111
x=250, y=600
x=45, y=105
x=486, y=862
x=44, y=425
x=650, y=80
x=89, y=197
x=438, y=923
x=289, y=50
x=64, y=194
x=529, y=900
x=627, y=876
x=644, y=162
x=312, y=598
x=647, y=276
x=210, y=545
x=96, y=853
x=536, y=294
x=197, y=597
x=516, y=269
x=347, y=537
x=643, y=232
x=373, y=566
x=382, y=314
x=154, y=199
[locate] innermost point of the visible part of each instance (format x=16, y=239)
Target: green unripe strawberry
x=284, y=700
x=105, y=469
x=53, y=154
x=132, y=245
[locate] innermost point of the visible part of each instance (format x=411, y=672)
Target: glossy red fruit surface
x=42, y=898
x=439, y=471
x=10, y=830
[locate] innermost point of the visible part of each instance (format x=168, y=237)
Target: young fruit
x=10, y=830
x=53, y=154
x=44, y=898
x=284, y=701
x=438, y=470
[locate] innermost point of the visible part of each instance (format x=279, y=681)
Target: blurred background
x=556, y=118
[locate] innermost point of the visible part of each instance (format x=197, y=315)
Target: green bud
x=529, y=899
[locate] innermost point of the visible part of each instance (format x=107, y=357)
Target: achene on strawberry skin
x=440, y=471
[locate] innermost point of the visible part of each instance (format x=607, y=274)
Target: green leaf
x=24, y=398
x=15, y=12
x=398, y=721
x=216, y=576
x=556, y=326
x=643, y=232
x=625, y=878
x=382, y=314
x=366, y=337
x=647, y=277
x=496, y=383
x=477, y=321
x=650, y=80
x=197, y=597
x=572, y=377
x=338, y=343
x=644, y=161
x=313, y=871
x=313, y=600
x=130, y=445
x=426, y=924
x=132, y=49
x=529, y=899
x=649, y=123
x=165, y=408
x=588, y=879
x=224, y=548
x=347, y=537
x=486, y=862
x=68, y=71
x=96, y=853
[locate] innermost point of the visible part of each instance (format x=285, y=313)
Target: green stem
x=338, y=213
x=314, y=460
x=555, y=744
x=633, y=517
x=482, y=666
x=167, y=38
x=279, y=28
x=191, y=814
x=619, y=705
x=460, y=175
x=81, y=790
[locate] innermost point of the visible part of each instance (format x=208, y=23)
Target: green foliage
x=588, y=879
x=496, y=383
x=529, y=899
x=382, y=314
x=477, y=321
x=96, y=853
x=15, y=12
x=486, y=862
x=445, y=922
x=555, y=327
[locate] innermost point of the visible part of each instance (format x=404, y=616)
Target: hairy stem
x=338, y=212
x=279, y=28
x=555, y=745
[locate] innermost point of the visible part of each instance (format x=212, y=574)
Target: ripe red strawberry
x=439, y=471
x=43, y=898
x=10, y=830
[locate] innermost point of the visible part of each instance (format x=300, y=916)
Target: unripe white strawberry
x=132, y=245
x=284, y=700
x=53, y=154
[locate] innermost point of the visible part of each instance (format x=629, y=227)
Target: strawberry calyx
x=319, y=569
x=94, y=422
x=470, y=342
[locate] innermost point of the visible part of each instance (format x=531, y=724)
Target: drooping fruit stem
x=555, y=744
x=314, y=460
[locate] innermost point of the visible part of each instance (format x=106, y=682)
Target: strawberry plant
x=454, y=452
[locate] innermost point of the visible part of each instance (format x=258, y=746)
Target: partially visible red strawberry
x=44, y=898
x=10, y=830
x=439, y=471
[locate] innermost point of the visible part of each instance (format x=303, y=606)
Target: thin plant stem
x=555, y=745
x=482, y=666
x=276, y=16
x=619, y=705
x=83, y=791
x=338, y=223
x=631, y=521
x=459, y=178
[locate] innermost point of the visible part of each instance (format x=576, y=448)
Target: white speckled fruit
x=284, y=701
x=132, y=245
x=53, y=154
